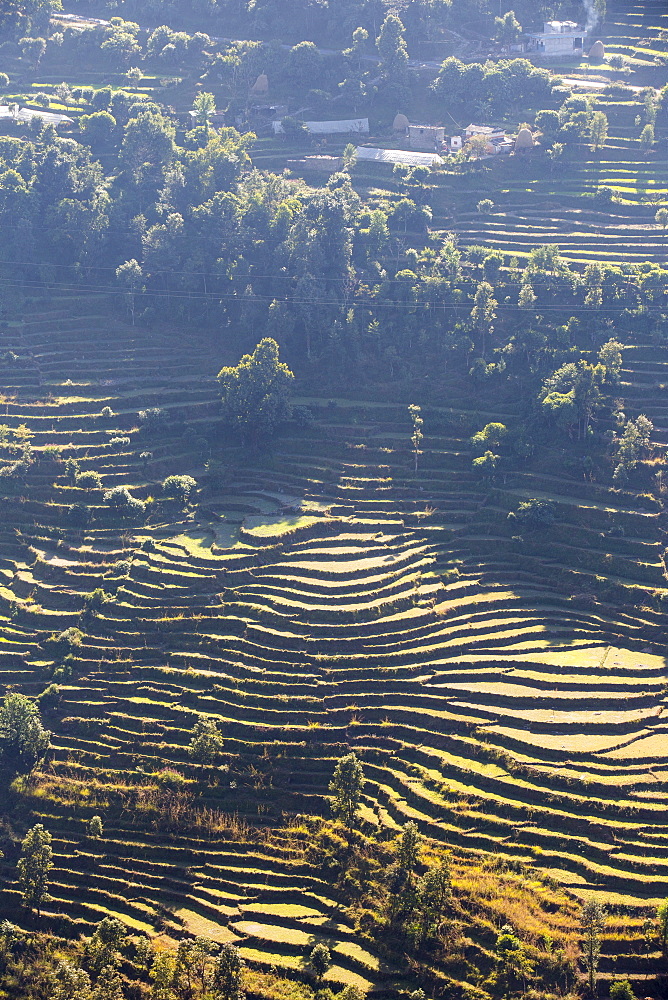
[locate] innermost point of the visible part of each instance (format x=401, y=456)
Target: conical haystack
x=261, y=85
x=597, y=52
x=400, y=123
x=524, y=140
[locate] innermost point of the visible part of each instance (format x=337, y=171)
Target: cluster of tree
x=493, y=87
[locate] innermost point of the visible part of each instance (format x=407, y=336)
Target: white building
x=17, y=114
x=558, y=39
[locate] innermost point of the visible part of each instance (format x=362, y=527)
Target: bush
x=78, y=514
x=107, y=412
x=535, y=513
x=88, y=480
x=95, y=599
x=179, y=487
x=119, y=498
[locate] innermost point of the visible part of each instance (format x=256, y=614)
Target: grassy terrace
x=330, y=599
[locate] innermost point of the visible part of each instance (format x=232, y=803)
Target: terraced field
x=325, y=600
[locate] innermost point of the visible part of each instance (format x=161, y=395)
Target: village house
x=426, y=137
x=559, y=39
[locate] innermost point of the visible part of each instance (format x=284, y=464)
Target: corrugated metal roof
x=407, y=156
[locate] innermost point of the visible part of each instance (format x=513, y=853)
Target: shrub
x=153, y=418
x=88, y=480
x=535, y=513
x=119, y=498
x=95, y=828
x=206, y=745
x=179, y=487
x=107, y=412
x=121, y=441
x=95, y=599
x=78, y=513
x=71, y=469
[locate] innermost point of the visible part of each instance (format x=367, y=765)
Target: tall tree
x=226, y=979
x=592, y=921
x=417, y=435
x=483, y=313
x=33, y=868
x=346, y=789
x=256, y=393
x=24, y=741
x=391, y=46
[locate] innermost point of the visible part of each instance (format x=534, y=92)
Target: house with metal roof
x=559, y=39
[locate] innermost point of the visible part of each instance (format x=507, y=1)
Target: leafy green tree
x=610, y=355
x=162, y=972
x=95, y=828
x=483, y=313
x=109, y=985
x=256, y=393
x=662, y=919
x=23, y=740
x=511, y=960
x=537, y=514
x=417, y=435
x=485, y=465
x=598, y=130
x=647, y=139
x=33, y=49
x=179, y=487
x=33, y=868
x=346, y=789
x=226, y=978
x=409, y=848
x=130, y=277
x=206, y=744
x=490, y=436
x=592, y=922
x=205, y=106
x=622, y=990
x=661, y=219
x=192, y=965
x=391, y=46
x=508, y=28
x=320, y=960
x=70, y=983
x=102, y=949
x=304, y=64
x=434, y=894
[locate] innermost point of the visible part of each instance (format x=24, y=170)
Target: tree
x=33, y=868
x=417, y=435
x=434, y=893
x=304, y=64
x=483, y=313
x=206, y=744
x=622, y=990
x=4, y=81
x=409, y=848
x=256, y=393
x=647, y=139
x=95, y=828
x=33, y=49
x=662, y=919
x=70, y=983
x=508, y=28
x=392, y=50
x=205, y=106
x=511, y=959
x=23, y=740
x=320, y=960
x=102, y=949
x=533, y=513
x=346, y=789
x=162, y=972
x=179, y=487
x=485, y=206
x=610, y=355
x=226, y=977
x=592, y=921
x=130, y=277
x=661, y=219
x=598, y=130
x=109, y=985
